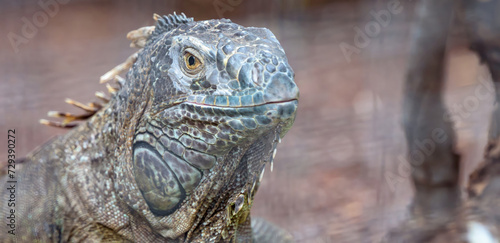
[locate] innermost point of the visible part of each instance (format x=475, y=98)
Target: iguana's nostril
x=251, y=75
x=257, y=74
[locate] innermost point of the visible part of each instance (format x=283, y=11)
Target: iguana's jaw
x=170, y=160
x=251, y=118
x=165, y=151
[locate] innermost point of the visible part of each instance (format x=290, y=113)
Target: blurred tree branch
x=430, y=139
x=438, y=215
x=436, y=175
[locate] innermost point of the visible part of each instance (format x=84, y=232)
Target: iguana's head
x=219, y=98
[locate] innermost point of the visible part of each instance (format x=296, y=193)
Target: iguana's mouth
x=242, y=106
x=247, y=119
x=263, y=113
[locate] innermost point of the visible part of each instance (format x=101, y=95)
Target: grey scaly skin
x=177, y=154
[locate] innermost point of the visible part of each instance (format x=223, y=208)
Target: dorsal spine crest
x=169, y=22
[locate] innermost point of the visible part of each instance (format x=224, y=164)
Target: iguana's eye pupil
x=191, y=61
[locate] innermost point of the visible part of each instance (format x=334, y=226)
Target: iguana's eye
x=192, y=61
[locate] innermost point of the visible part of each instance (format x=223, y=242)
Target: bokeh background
x=340, y=174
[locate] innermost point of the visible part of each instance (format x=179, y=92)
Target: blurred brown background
x=339, y=175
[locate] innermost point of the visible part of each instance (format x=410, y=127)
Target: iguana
x=178, y=152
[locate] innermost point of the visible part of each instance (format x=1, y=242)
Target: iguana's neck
x=96, y=139
x=91, y=170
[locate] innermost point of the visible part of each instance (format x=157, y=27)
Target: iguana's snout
x=281, y=88
x=272, y=74
x=260, y=69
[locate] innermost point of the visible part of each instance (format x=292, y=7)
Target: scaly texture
x=177, y=154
